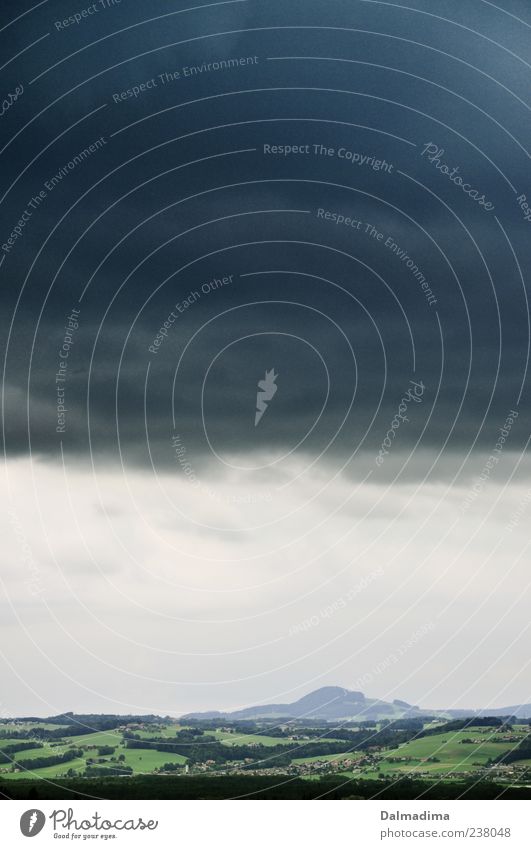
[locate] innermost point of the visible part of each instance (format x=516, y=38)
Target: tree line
x=48, y=760
x=16, y=747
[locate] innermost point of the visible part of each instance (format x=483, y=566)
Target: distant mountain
x=333, y=703
x=337, y=703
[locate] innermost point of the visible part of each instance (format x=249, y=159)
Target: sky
x=324, y=211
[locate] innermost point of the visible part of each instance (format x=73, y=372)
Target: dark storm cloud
x=480, y=300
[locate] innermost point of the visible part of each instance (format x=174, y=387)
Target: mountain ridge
x=339, y=703
x=323, y=703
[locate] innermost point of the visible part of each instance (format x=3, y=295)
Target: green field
x=48, y=771
x=453, y=755
x=438, y=756
x=99, y=738
x=12, y=741
x=140, y=760
x=25, y=726
x=45, y=751
x=146, y=760
x=163, y=731
x=245, y=739
x=330, y=758
x=169, y=732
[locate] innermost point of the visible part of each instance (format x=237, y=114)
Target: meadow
x=450, y=753
x=327, y=758
x=441, y=755
x=235, y=739
x=141, y=761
